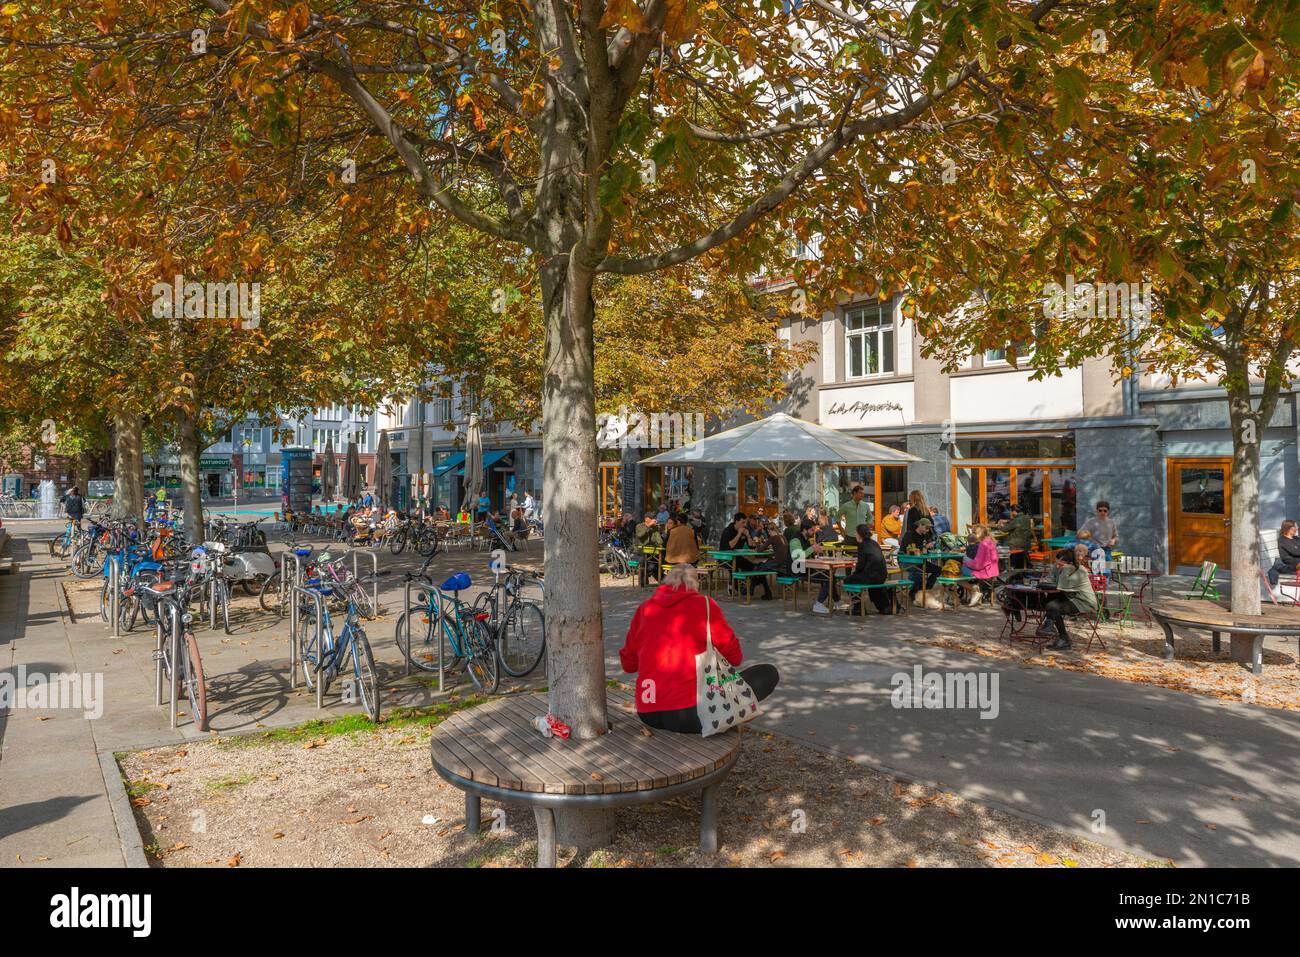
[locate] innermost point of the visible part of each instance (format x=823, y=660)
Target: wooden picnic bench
x=494, y=751
x=1247, y=632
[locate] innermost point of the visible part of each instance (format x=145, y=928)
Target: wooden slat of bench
x=618, y=772
x=531, y=748
x=1212, y=613
x=558, y=750
x=518, y=755
x=450, y=759
x=552, y=751
x=473, y=767
x=689, y=754
x=480, y=746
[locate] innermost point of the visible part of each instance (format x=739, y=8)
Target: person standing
x=530, y=505
x=856, y=511
x=1102, y=528
x=1020, y=536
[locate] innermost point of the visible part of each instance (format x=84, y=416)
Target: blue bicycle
x=439, y=616
x=324, y=656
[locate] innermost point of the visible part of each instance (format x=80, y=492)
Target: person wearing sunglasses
x=1101, y=528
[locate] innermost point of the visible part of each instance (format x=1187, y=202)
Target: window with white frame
x=869, y=340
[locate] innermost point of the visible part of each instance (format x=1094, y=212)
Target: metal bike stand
x=114, y=579
x=287, y=584
x=318, y=600
x=406, y=603
x=173, y=691
x=374, y=563
x=158, y=655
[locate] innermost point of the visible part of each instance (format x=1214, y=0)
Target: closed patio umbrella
x=473, y=462
x=329, y=472
x=383, y=471
x=351, y=490
x=778, y=444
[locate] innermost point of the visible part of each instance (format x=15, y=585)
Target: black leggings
x=1057, y=609
x=761, y=678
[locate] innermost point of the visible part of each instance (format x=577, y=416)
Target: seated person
x=870, y=570
x=1019, y=538
x=625, y=534
x=1095, y=554
x=1288, y=552
x=1076, y=596
x=892, y=526
x=830, y=587
x=940, y=521
x=667, y=632
x=680, y=547
x=650, y=535
x=736, y=536
x=518, y=525
x=981, y=562
x=920, y=535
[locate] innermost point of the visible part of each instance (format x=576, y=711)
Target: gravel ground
x=370, y=798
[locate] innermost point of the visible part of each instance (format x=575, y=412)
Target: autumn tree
x=1166, y=158
x=610, y=136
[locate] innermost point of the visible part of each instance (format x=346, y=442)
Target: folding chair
x=1099, y=583
x=1204, y=589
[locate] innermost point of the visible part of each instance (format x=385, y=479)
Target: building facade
x=990, y=436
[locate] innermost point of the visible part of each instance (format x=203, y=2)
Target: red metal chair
x=1099, y=583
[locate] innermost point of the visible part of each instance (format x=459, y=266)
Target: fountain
x=48, y=505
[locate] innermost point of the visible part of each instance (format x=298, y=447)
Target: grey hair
x=682, y=576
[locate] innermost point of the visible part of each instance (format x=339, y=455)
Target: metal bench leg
x=1216, y=641
x=709, y=820
x=545, y=836
x=1169, y=641
x=473, y=812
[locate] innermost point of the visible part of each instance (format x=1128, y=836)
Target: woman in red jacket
x=666, y=634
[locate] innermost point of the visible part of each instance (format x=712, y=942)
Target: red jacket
x=666, y=634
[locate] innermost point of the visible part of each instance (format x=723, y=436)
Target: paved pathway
x=1161, y=765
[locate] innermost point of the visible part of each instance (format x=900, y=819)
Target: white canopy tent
x=780, y=443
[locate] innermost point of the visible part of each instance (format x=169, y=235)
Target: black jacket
x=870, y=569
x=1288, y=550
x=75, y=506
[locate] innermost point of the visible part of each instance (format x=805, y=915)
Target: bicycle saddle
x=457, y=582
x=302, y=552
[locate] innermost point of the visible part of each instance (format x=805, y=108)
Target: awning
x=489, y=459
x=455, y=461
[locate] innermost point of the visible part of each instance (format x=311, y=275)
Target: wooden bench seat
x=1246, y=632
x=494, y=751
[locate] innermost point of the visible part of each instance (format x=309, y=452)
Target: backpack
x=951, y=542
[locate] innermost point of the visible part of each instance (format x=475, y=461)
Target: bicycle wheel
x=196, y=690
x=427, y=544
x=306, y=641
x=521, y=644
x=422, y=652
x=397, y=544
x=89, y=560
x=364, y=600
x=269, y=597
x=104, y=602
x=481, y=660
x=363, y=667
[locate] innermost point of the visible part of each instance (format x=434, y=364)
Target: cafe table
x=730, y=556
x=830, y=566
x=1027, y=598
x=937, y=557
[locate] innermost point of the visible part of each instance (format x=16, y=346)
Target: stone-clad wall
x=1124, y=466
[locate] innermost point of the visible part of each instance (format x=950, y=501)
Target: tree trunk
x=191, y=498
x=128, y=466
x=1247, y=435
x=574, y=631
x=81, y=475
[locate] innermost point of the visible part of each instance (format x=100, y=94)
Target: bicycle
x=516, y=624
x=171, y=599
x=61, y=545
x=323, y=656
x=448, y=618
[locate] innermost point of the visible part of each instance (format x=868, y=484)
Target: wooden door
x=758, y=492
x=1200, y=511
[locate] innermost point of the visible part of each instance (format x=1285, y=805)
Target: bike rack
x=287, y=583
x=294, y=657
x=438, y=595
x=175, y=639
x=374, y=580
x=114, y=580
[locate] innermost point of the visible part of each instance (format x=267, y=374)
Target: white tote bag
x=722, y=698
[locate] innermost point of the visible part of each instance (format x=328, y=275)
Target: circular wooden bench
x=1247, y=632
x=494, y=751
